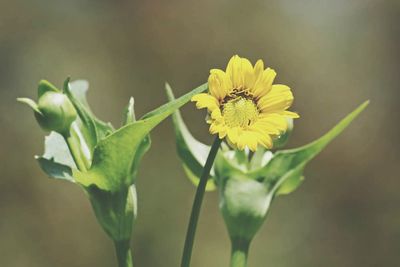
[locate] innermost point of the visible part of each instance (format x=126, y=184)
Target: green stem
x=123, y=251
x=75, y=151
x=240, y=250
x=198, y=199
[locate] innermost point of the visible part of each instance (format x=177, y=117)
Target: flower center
x=239, y=111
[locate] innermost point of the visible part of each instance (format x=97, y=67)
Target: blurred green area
x=333, y=54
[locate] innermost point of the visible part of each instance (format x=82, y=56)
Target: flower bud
x=244, y=204
x=56, y=112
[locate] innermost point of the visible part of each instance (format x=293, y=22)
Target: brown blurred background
x=334, y=54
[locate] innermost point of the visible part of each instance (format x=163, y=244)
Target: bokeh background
x=334, y=55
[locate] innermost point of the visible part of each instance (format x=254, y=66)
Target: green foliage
x=192, y=152
x=246, y=184
x=115, y=211
x=114, y=155
x=104, y=161
x=57, y=161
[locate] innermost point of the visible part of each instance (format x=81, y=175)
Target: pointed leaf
x=114, y=155
x=79, y=89
x=85, y=122
x=192, y=152
x=129, y=117
x=129, y=112
x=287, y=165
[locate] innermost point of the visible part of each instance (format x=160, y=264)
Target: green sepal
x=114, y=155
x=32, y=104
x=192, y=152
x=45, y=86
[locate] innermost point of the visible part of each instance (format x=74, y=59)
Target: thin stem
x=198, y=199
x=123, y=251
x=75, y=152
x=240, y=249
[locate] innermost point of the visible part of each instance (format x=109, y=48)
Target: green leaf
x=79, y=89
x=192, y=152
x=85, y=123
x=129, y=117
x=245, y=196
x=115, y=211
x=129, y=112
x=283, y=174
x=114, y=155
x=56, y=161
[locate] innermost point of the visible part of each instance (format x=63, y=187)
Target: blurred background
x=333, y=54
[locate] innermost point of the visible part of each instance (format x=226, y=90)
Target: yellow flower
x=244, y=105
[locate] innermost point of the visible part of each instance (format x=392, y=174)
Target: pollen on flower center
x=240, y=112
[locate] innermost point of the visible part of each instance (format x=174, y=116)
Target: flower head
x=244, y=104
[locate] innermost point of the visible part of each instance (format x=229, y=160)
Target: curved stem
x=198, y=199
x=240, y=249
x=75, y=152
x=123, y=251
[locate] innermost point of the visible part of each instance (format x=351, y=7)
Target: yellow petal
x=218, y=128
x=274, y=121
x=265, y=140
x=234, y=71
x=290, y=114
x=204, y=100
x=216, y=115
x=247, y=138
x=233, y=134
x=264, y=83
x=265, y=127
x=247, y=73
x=258, y=69
x=278, y=99
x=219, y=83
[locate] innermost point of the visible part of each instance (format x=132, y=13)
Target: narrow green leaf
x=276, y=172
x=86, y=123
x=129, y=112
x=114, y=155
x=192, y=152
x=129, y=117
x=79, y=89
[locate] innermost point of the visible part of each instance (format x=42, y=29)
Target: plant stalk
x=239, y=253
x=75, y=152
x=198, y=199
x=123, y=251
